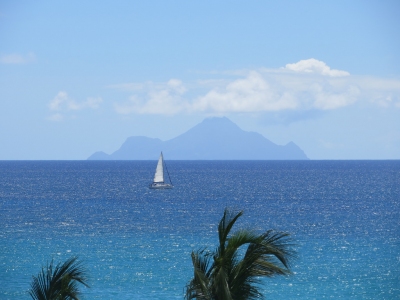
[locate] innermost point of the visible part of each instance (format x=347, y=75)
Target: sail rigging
x=159, y=180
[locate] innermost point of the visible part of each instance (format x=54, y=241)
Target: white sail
x=159, y=175
x=158, y=182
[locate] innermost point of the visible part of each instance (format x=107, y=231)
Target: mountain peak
x=217, y=120
x=213, y=125
x=215, y=138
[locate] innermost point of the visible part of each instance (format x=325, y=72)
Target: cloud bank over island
x=306, y=85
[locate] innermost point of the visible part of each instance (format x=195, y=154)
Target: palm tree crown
x=228, y=273
x=59, y=282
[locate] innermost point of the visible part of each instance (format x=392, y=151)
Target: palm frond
x=232, y=274
x=225, y=226
x=198, y=288
x=59, y=282
x=220, y=285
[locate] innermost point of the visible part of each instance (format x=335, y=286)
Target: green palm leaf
x=59, y=282
x=228, y=274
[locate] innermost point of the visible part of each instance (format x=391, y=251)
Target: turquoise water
x=136, y=242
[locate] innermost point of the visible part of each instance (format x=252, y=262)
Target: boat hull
x=160, y=186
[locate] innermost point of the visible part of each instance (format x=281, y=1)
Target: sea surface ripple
x=136, y=243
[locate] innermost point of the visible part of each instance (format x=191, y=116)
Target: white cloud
x=156, y=99
x=327, y=99
x=385, y=101
x=92, y=102
x=62, y=104
x=249, y=94
x=17, y=58
x=382, y=92
x=315, y=66
x=305, y=85
x=58, y=100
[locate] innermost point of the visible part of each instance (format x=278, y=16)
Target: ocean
x=135, y=242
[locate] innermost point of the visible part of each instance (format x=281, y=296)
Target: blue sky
x=77, y=77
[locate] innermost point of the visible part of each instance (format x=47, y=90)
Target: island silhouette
x=212, y=139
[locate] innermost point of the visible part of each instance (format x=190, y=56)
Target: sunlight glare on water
x=136, y=242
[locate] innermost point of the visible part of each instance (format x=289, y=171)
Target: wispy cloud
x=306, y=85
x=62, y=104
x=57, y=117
x=159, y=99
x=382, y=92
x=315, y=66
x=15, y=58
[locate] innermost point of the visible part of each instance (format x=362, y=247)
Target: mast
x=167, y=173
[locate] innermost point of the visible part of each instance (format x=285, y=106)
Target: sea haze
x=136, y=242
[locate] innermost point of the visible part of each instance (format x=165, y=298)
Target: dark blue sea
x=343, y=215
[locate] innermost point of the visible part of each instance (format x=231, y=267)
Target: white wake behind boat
x=159, y=182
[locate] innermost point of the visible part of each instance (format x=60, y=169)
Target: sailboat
x=159, y=182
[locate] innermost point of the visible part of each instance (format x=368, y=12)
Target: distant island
x=212, y=139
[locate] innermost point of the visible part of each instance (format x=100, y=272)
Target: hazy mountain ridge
x=212, y=139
